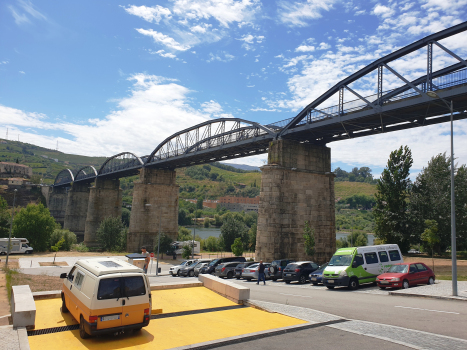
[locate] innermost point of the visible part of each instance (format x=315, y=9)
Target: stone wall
x=155, y=195
x=105, y=200
x=57, y=203
x=296, y=186
x=77, y=209
x=15, y=169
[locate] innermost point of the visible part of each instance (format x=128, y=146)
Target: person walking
x=146, y=259
x=261, y=276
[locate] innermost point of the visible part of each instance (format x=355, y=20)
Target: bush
x=237, y=247
x=211, y=244
x=69, y=239
x=184, y=234
x=80, y=248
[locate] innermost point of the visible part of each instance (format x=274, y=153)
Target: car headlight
x=343, y=274
x=377, y=279
x=395, y=279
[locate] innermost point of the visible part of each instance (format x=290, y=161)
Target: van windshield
x=340, y=260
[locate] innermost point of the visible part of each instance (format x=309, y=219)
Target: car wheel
x=82, y=330
x=274, y=279
x=405, y=284
x=314, y=283
x=191, y=273
x=353, y=284
x=330, y=287
x=28, y=252
x=431, y=280
x=287, y=282
x=229, y=274
x=302, y=279
x=64, y=308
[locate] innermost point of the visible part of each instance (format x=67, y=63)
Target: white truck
x=18, y=246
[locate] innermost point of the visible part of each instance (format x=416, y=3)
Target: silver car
x=199, y=267
x=252, y=272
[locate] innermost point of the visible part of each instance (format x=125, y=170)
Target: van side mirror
x=63, y=275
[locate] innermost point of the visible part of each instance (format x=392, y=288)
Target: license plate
x=287, y=274
x=313, y=278
x=110, y=318
x=330, y=281
x=384, y=282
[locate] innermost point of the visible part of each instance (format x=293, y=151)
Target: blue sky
x=106, y=77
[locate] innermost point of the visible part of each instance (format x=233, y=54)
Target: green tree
x=237, y=247
x=392, y=191
x=111, y=234
x=232, y=229
x=126, y=213
x=207, y=222
x=68, y=237
x=4, y=218
x=252, y=237
x=460, y=187
x=309, y=239
x=165, y=242
x=184, y=234
x=211, y=244
x=355, y=239
x=35, y=224
x=430, y=237
x=55, y=248
x=186, y=252
x=199, y=203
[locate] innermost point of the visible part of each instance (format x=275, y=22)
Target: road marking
x=295, y=295
x=416, y=308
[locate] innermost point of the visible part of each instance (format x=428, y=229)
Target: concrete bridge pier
x=155, y=198
x=105, y=200
x=57, y=203
x=77, y=209
x=296, y=186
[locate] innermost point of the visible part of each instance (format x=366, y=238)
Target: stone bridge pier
x=296, y=186
x=155, y=202
x=105, y=200
x=57, y=203
x=77, y=209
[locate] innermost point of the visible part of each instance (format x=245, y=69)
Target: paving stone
x=9, y=338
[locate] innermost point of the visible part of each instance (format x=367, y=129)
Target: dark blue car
x=317, y=276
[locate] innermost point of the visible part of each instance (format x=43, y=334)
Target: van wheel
x=64, y=308
x=82, y=331
x=405, y=284
x=191, y=273
x=353, y=284
x=330, y=287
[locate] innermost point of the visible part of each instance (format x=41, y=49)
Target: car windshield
x=340, y=260
x=322, y=267
x=212, y=263
x=398, y=268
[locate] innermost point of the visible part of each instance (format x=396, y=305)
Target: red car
x=404, y=275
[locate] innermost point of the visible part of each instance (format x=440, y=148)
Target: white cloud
x=149, y=14
x=224, y=11
x=162, y=53
x=383, y=11
x=29, y=9
x=305, y=48
x=221, y=56
x=200, y=28
x=324, y=46
x=264, y=110
x=22, y=72
x=249, y=40
x=155, y=109
x=211, y=107
x=4, y=62
x=298, y=14
x=163, y=39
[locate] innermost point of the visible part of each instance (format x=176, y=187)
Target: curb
x=453, y=298
x=23, y=338
x=257, y=335
x=175, y=286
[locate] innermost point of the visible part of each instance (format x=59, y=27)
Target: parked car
x=299, y=271
x=190, y=270
x=252, y=272
x=175, y=270
x=413, y=251
x=348, y=268
x=240, y=267
x=226, y=269
x=203, y=269
x=199, y=267
x=213, y=264
x=317, y=276
x=405, y=275
x=277, y=267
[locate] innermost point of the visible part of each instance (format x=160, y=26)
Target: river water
x=206, y=232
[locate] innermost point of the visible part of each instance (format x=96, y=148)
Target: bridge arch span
x=120, y=162
x=64, y=177
x=86, y=172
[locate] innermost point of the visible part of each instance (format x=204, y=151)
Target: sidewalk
x=439, y=290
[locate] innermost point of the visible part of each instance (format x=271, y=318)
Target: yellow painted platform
x=164, y=333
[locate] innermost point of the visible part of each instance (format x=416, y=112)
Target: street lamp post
x=159, y=242
x=193, y=242
x=453, y=206
x=11, y=227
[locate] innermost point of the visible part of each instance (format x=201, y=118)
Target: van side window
x=394, y=255
x=371, y=258
x=134, y=286
x=109, y=288
x=383, y=257
x=358, y=260
x=79, y=280
x=71, y=274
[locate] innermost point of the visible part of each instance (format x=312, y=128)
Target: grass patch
x=449, y=277
x=9, y=273
x=345, y=189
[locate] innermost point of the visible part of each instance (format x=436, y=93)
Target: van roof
x=105, y=266
x=351, y=250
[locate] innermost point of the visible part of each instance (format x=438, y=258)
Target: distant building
x=207, y=203
x=238, y=204
x=56, y=160
x=9, y=169
x=44, y=156
x=15, y=181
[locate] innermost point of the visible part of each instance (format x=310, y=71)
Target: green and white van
x=350, y=267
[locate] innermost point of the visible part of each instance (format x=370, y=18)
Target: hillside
x=345, y=189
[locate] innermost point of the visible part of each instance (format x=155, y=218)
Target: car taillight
x=223, y=269
x=93, y=319
x=297, y=270
x=279, y=269
x=146, y=311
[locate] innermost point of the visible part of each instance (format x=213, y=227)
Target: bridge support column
x=77, y=210
x=296, y=186
x=155, y=201
x=57, y=203
x=105, y=200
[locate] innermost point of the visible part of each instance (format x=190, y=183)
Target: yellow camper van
x=106, y=295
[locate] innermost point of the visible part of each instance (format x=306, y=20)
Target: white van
x=353, y=266
x=106, y=295
x=18, y=246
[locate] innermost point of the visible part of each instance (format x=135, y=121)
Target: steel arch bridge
x=407, y=106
